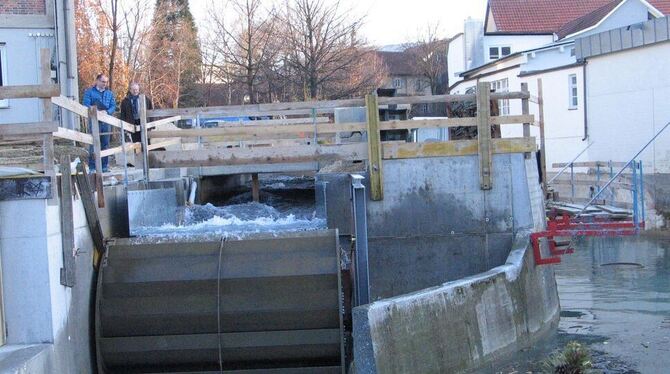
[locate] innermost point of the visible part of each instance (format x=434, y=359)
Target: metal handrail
x=622, y=169
x=569, y=163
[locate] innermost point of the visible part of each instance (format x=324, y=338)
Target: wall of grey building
x=48, y=324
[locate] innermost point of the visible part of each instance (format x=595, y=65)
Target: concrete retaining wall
x=47, y=323
x=436, y=225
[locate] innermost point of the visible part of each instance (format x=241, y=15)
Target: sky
x=393, y=21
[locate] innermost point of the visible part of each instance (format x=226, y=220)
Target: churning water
x=287, y=204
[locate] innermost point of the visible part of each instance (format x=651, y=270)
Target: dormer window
x=499, y=52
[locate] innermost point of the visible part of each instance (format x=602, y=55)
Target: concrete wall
x=428, y=231
x=47, y=323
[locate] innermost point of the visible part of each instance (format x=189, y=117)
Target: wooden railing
x=309, y=138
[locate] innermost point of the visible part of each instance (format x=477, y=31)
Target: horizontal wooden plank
x=29, y=91
x=591, y=164
x=28, y=128
x=281, y=121
x=269, y=155
x=73, y=135
x=253, y=132
x=166, y=143
x=455, y=148
x=106, y=118
x=112, y=151
x=321, y=106
x=250, y=132
x=162, y=122
x=70, y=105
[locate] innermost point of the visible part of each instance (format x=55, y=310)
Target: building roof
x=397, y=63
x=554, y=16
x=587, y=20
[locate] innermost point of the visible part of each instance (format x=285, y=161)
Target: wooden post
x=525, y=110
x=255, y=188
x=47, y=115
x=484, y=134
x=374, y=148
x=95, y=131
x=543, y=154
x=88, y=201
x=145, y=141
x=67, y=272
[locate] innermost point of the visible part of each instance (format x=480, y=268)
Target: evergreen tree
x=175, y=58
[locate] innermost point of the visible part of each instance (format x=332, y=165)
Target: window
x=3, y=73
x=424, y=108
x=572, y=91
x=572, y=52
x=499, y=52
x=502, y=85
x=397, y=83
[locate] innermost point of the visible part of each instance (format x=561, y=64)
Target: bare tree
x=322, y=45
x=245, y=32
x=429, y=58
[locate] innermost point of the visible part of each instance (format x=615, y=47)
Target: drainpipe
x=586, y=125
x=66, y=53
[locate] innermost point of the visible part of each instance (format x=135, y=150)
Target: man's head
x=134, y=89
x=101, y=82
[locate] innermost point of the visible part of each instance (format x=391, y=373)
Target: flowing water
x=615, y=299
x=286, y=204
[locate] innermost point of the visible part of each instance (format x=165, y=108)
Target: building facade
x=26, y=27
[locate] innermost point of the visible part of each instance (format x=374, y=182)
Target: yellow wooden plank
x=73, y=135
x=394, y=150
x=374, y=148
x=29, y=91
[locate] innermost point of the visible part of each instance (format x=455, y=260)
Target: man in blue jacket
x=103, y=99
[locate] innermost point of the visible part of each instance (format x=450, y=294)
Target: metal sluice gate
x=265, y=304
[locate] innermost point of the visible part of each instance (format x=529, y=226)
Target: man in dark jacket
x=130, y=109
x=102, y=98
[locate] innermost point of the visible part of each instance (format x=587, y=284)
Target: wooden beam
x=166, y=143
x=525, y=110
x=112, y=151
x=281, y=121
x=95, y=130
x=327, y=106
x=374, y=148
x=88, y=201
x=47, y=116
x=394, y=150
x=484, y=134
x=162, y=122
x=73, y=135
x=70, y=105
x=29, y=91
x=106, y=118
x=67, y=272
x=256, y=131
x=590, y=164
x=144, y=138
x=255, y=188
x=261, y=155
x=32, y=128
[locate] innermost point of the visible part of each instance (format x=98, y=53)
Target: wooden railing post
x=484, y=134
x=47, y=116
x=95, y=131
x=543, y=154
x=525, y=110
x=374, y=148
x=145, y=140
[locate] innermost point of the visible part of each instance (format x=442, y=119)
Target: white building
x=522, y=42
x=627, y=96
